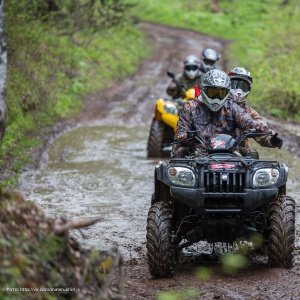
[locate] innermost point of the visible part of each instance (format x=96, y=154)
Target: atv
x=164, y=122
x=218, y=196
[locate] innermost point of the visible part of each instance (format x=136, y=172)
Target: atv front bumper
x=223, y=203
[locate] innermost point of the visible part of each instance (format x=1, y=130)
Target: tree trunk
x=3, y=68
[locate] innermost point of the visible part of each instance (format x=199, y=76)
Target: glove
x=276, y=141
x=172, y=89
x=181, y=136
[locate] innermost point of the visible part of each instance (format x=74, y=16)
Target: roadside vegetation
x=265, y=35
x=58, y=52
x=40, y=260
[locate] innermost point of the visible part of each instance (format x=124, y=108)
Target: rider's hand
x=276, y=141
x=172, y=90
x=181, y=136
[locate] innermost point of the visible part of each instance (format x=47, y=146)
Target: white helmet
x=208, y=59
x=215, y=88
x=191, y=66
x=241, y=83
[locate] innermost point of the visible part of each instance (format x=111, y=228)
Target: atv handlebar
x=179, y=101
x=247, y=133
x=195, y=135
x=171, y=74
x=251, y=133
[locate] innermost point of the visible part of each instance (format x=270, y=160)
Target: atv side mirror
x=171, y=74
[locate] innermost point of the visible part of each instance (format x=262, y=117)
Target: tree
x=3, y=68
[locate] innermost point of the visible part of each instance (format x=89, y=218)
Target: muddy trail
x=95, y=165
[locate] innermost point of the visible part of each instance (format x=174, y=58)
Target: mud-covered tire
x=282, y=232
x=161, y=253
x=153, y=199
x=156, y=139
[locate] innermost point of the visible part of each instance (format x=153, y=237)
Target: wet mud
x=95, y=165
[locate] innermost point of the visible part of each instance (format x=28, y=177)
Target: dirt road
x=131, y=104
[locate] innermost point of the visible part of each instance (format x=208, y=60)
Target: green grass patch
x=265, y=41
x=51, y=68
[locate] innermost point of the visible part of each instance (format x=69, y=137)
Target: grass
x=260, y=45
x=49, y=73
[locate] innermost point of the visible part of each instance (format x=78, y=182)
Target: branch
x=61, y=229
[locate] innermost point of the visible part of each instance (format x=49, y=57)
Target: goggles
x=191, y=68
x=240, y=84
x=215, y=92
x=208, y=61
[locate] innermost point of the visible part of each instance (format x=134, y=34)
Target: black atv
x=219, y=196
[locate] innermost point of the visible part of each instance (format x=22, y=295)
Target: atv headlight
x=265, y=177
x=182, y=176
x=171, y=108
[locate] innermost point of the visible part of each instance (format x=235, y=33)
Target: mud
x=95, y=164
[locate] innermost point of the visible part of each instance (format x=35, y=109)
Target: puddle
x=102, y=172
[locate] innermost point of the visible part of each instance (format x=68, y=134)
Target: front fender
x=162, y=115
x=190, y=94
x=161, y=171
x=170, y=120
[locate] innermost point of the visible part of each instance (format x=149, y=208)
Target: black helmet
x=208, y=59
x=215, y=88
x=241, y=83
x=191, y=66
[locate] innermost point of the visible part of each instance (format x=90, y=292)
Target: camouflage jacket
x=195, y=115
x=264, y=141
x=174, y=90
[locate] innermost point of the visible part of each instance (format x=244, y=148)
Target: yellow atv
x=164, y=123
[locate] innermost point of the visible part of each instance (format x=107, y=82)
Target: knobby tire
x=156, y=139
x=161, y=253
x=282, y=232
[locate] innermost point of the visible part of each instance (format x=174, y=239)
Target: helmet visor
x=208, y=61
x=240, y=84
x=215, y=92
x=191, y=68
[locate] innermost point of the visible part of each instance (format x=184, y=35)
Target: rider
x=241, y=83
x=187, y=79
x=208, y=60
x=212, y=113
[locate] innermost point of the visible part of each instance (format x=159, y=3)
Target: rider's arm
x=264, y=141
x=184, y=123
x=245, y=122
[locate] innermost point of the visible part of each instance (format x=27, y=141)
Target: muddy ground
x=133, y=102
